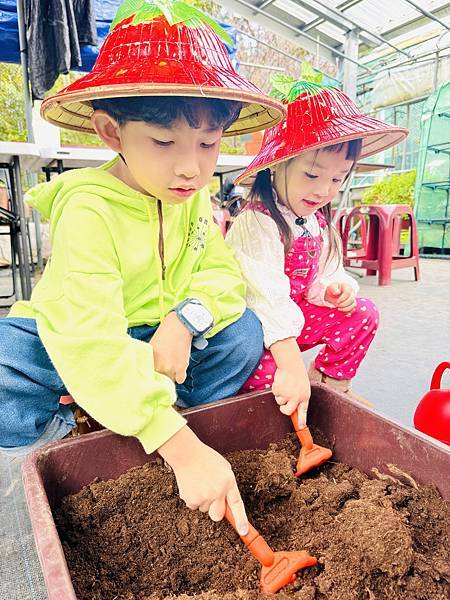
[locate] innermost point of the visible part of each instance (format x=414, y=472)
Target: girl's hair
x=262, y=190
x=164, y=111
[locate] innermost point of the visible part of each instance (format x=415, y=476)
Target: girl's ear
x=107, y=129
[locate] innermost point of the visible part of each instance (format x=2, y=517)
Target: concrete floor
x=414, y=336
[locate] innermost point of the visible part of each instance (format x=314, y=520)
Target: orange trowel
x=277, y=568
x=311, y=454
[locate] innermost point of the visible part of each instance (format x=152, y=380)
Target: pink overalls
x=346, y=337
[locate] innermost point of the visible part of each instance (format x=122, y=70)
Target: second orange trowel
x=311, y=454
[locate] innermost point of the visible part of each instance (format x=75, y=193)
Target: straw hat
x=320, y=116
x=156, y=49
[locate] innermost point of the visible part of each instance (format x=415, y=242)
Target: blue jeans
x=30, y=387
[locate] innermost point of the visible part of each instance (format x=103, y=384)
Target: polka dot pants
x=346, y=339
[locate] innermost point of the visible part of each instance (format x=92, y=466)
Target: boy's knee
x=249, y=338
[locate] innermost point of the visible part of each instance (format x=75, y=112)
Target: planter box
x=359, y=437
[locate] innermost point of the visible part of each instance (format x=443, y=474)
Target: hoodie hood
x=50, y=198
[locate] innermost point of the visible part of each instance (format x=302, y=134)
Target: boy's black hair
x=163, y=110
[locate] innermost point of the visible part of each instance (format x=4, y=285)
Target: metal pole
x=29, y=118
x=350, y=70
x=24, y=259
x=267, y=67
x=416, y=58
x=299, y=32
x=282, y=52
x=436, y=66
x=286, y=54
x=426, y=13
x=24, y=64
x=341, y=15
x=436, y=71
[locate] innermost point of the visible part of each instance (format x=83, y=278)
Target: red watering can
x=432, y=415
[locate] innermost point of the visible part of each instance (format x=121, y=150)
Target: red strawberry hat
x=162, y=48
x=320, y=116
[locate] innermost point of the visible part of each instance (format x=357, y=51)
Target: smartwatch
x=197, y=319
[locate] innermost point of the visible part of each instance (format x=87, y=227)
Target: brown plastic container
x=359, y=437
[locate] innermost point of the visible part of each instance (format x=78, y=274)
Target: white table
x=73, y=157
x=27, y=153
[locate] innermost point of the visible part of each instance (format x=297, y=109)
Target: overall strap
x=257, y=206
x=321, y=219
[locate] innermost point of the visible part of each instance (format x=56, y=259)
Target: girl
x=290, y=254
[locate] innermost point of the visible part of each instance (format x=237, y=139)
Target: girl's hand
x=342, y=296
x=292, y=391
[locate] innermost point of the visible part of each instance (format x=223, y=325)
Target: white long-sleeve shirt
x=259, y=250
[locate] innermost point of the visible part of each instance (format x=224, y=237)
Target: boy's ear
x=107, y=129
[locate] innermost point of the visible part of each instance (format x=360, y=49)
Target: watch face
x=198, y=316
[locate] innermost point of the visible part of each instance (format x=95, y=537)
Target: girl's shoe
x=341, y=385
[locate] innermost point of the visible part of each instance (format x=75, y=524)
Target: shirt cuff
x=281, y=331
x=165, y=423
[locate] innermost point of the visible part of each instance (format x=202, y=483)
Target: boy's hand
x=342, y=296
x=204, y=477
x=172, y=348
x=292, y=391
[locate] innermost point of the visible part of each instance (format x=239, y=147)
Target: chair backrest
x=348, y=229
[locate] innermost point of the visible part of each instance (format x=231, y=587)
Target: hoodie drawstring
x=161, y=238
x=159, y=248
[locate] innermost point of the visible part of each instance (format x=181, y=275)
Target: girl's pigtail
x=262, y=190
x=335, y=243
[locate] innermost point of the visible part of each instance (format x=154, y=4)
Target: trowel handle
x=254, y=542
x=303, y=434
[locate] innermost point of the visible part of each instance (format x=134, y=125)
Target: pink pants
x=346, y=339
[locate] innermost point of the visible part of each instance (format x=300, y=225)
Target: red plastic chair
x=351, y=251
x=339, y=218
x=380, y=250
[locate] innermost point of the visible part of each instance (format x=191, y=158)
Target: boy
x=137, y=259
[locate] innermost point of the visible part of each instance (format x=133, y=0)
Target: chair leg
x=13, y=262
x=373, y=243
x=30, y=249
x=385, y=257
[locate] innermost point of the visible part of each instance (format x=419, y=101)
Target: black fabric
x=85, y=20
x=55, y=29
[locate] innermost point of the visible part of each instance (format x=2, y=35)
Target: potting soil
x=375, y=539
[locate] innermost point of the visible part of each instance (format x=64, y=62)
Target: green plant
x=12, y=121
x=395, y=189
x=235, y=147
x=284, y=86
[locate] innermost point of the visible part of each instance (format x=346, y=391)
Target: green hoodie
x=106, y=275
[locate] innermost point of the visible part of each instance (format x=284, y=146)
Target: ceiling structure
x=364, y=36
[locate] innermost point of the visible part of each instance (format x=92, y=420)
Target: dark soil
x=133, y=539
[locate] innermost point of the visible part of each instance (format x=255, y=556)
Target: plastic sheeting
x=105, y=11
x=398, y=86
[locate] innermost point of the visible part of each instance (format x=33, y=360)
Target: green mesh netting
x=433, y=174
